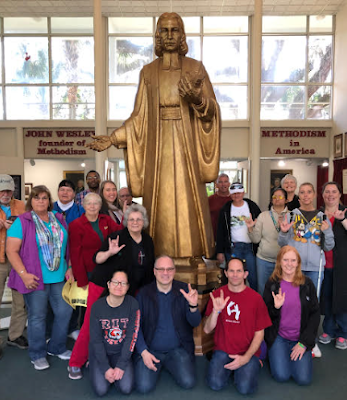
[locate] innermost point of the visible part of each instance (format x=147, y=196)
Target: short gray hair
x=136, y=208
x=90, y=196
x=223, y=176
x=291, y=177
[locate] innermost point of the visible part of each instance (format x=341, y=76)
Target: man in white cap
x=10, y=208
x=232, y=231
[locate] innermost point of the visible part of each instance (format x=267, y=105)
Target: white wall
x=301, y=170
x=50, y=172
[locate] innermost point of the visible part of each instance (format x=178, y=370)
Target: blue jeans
x=245, y=252
x=334, y=324
x=37, y=303
x=100, y=385
x=178, y=362
x=313, y=275
x=245, y=378
x=283, y=368
x=264, y=271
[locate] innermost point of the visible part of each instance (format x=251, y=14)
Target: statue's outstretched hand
x=190, y=88
x=100, y=143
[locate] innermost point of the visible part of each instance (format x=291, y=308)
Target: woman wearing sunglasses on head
x=264, y=230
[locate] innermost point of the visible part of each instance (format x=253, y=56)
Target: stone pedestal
x=205, y=276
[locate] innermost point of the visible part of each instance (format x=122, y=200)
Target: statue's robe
x=171, y=150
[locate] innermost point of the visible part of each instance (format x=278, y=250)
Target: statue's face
x=170, y=34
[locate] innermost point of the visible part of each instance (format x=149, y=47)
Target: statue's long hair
x=183, y=47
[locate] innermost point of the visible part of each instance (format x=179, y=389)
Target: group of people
x=296, y=255
x=139, y=319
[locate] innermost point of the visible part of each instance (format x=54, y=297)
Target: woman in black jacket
x=334, y=290
x=136, y=253
x=293, y=307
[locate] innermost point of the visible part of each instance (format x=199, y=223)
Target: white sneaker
x=74, y=335
x=40, y=364
x=316, y=353
x=63, y=356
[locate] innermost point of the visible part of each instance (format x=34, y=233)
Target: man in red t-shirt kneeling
x=239, y=316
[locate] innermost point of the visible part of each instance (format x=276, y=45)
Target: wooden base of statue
x=206, y=276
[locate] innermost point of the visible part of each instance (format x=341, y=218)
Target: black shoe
x=20, y=342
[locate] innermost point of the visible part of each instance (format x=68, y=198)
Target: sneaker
x=21, y=342
x=325, y=338
x=40, y=364
x=316, y=353
x=74, y=335
x=74, y=372
x=341, y=343
x=63, y=356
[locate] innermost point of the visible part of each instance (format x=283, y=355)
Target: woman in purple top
x=293, y=307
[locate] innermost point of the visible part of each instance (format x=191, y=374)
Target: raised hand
x=100, y=143
x=279, y=298
x=191, y=296
x=190, y=88
x=113, y=246
x=340, y=214
x=249, y=222
x=219, y=302
x=285, y=225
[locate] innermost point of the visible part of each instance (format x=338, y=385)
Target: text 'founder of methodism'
x=171, y=144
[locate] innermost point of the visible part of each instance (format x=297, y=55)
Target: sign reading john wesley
x=171, y=145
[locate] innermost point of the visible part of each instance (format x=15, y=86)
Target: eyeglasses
x=125, y=195
x=90, y=178
x=137, y=220
x=117, y=283
x=278, y=197
x=171, y=269
x=37, y=198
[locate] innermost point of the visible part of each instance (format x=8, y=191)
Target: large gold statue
x=171, y=145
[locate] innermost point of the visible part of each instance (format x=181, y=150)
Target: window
x=297, y=67
x=221, y=43
x=48, y=69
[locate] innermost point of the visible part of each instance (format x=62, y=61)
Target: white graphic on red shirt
x=235, y=310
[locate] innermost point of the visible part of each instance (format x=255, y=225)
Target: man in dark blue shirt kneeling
x=169, y=312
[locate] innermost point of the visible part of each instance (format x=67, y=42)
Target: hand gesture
x=249, y=222
x=190, y=88
x=279, y=298
x=238, y=361
x=109, y=375
x=30, y=281
x=100, y=143
x=118, y=374
x=149, y=360
x=113, y=246
x=340, y=214
x=297, y=352
x=191, y=296
x=325, y=225
x=219, y=302
x=285, y=225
